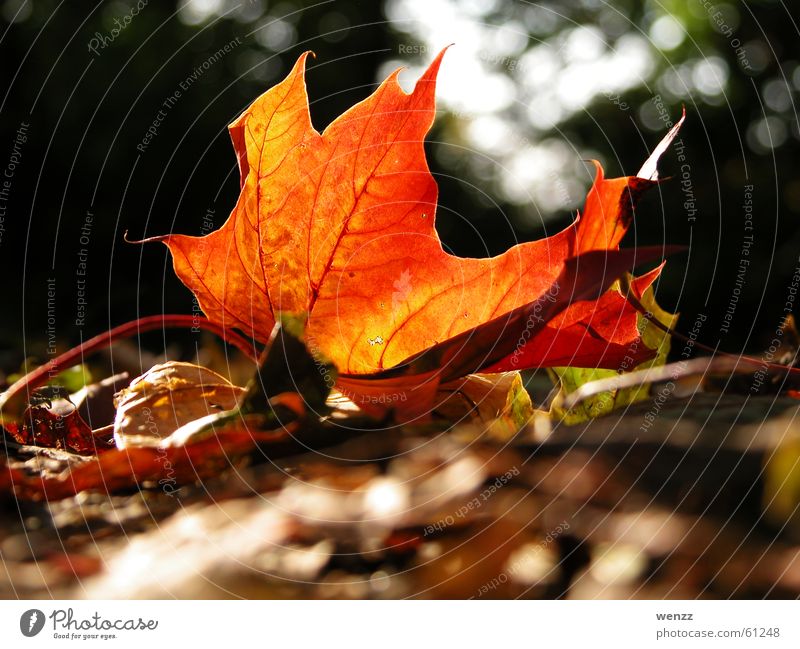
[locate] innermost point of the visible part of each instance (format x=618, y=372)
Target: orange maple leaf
x=338, y=227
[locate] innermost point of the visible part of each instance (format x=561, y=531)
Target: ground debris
x=591, y=511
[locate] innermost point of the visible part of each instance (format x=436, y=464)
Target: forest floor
x=606, y=509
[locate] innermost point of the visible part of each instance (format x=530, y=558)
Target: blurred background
x=528, y=93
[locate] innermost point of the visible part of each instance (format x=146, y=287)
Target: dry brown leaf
x=167, y=397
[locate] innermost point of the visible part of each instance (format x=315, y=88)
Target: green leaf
x=73, y=378
x=570, y=379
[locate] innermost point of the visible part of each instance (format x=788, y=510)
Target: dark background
x=87, y=112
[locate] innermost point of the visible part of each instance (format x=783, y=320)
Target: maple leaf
x=338, y=227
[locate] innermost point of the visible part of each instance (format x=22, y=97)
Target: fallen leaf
x=337, y=228
x=165, y=398
x=66, y=431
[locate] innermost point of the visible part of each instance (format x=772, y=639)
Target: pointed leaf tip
x=649, y=170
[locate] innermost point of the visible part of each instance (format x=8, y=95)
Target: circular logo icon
x=31, y=622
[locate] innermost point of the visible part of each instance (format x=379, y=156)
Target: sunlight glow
x=507, y=89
